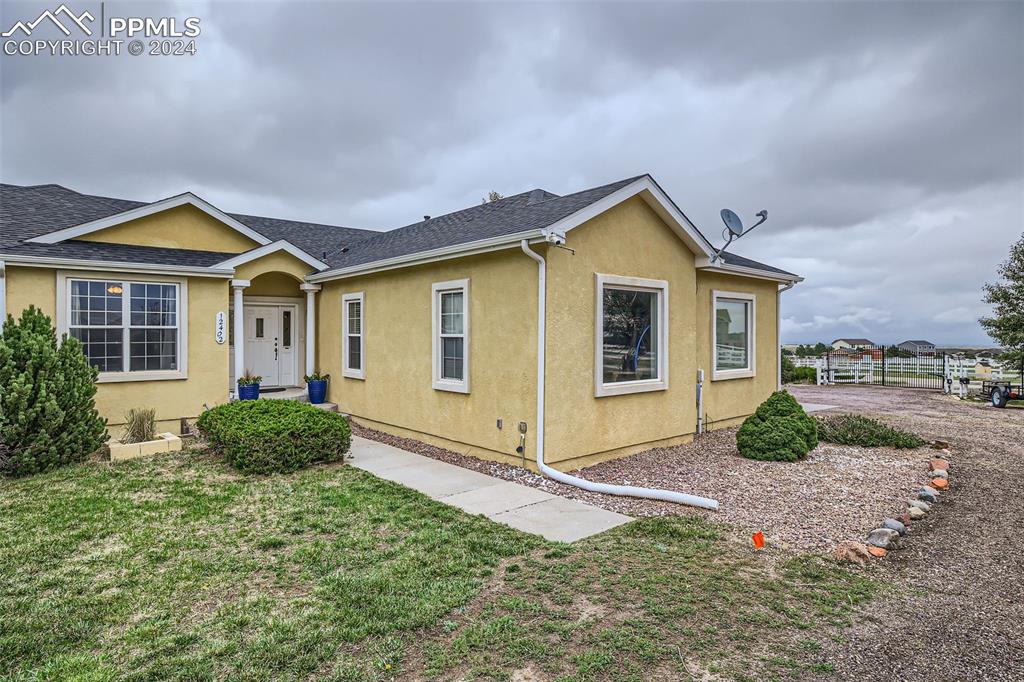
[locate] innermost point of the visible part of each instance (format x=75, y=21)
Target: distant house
x=918, y=347
x=983, y=370
x=839, y=344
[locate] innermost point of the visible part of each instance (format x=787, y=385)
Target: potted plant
x=249, y=386
x=316, y=386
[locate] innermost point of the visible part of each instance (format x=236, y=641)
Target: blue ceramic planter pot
x=317, y=390
x=249, y=392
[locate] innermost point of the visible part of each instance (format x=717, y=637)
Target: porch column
x=237, y=285
x=310, y=290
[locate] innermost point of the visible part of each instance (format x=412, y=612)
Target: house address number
x=221, y=328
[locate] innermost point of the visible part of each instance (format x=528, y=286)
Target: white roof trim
x=149, y=209
x=704, y=266
x=114, y=266
x=273, y=247
x=421, y=257
x=655, y=198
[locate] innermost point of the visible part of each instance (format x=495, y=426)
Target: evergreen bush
x=779, y=430
x=274, y=436
x=48, y=412
x=855, y=429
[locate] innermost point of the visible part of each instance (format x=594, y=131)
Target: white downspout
x=778, y=329
x=625, y=490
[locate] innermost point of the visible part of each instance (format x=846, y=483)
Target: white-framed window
x=352, y=360
x=450, y=311
x=732, y=333
x=131, y=328
x=630, y=335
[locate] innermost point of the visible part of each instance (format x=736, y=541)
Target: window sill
x=451, y=386
x=727, y=374
x=121, y=377
x=628, y=387
x=353, y=374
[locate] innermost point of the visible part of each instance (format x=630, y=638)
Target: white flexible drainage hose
x=625, y=490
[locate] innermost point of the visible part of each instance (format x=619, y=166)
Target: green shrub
x=779, y=430
x=48, y=412
x=855, y=429
x=804, y=375
x=274, y=436
x=788, y=370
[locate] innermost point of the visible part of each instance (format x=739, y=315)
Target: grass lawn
x=179, y=568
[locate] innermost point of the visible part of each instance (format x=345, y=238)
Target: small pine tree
x=1006, y=325
x=48, y=412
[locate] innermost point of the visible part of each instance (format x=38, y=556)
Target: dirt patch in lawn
x=837, y=493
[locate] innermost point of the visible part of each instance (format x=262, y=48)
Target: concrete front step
x=298, y=395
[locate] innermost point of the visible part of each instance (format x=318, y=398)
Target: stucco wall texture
x=397, y=394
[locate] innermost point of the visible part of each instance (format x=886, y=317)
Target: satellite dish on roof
x=732, y=221
x=734, y=228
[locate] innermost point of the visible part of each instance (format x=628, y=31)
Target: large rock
x=893, y=524
x=941, y=445
x=915, y=513
x=920, y=504
x=853, y=552
x=938, y=473
x=940, y=483
x=939, y=464
x=928, y=494
x=886, y=538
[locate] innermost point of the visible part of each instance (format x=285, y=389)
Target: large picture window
x=352, y=336
x=631, y=336
x=733, y=334
x=450, y=310
x=128, y=329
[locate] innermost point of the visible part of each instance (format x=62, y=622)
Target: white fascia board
x=114, y=266
x=421, y=257
x=150, y=209
x=273, y=247
x=655, y=198
x=704, y=265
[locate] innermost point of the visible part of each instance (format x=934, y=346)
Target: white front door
x=262, y=343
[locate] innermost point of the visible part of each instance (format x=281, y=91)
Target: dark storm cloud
x=886, y=139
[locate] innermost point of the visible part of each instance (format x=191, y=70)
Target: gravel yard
x=955, y=611
x=837, y=493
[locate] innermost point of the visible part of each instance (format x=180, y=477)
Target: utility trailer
x=1001, y=392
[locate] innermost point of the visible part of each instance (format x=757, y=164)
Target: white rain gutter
x=624, y=490
x=778, y=328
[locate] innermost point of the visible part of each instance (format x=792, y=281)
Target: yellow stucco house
x=581, y=324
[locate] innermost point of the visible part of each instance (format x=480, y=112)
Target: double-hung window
x=450, y=310
x=130, y=330
x=631, y=335
x=352, y=336
x=732, y=329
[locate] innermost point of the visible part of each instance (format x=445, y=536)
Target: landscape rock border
x=888, y=535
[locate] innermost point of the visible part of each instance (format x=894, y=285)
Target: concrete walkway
x=816, y=407
x=519, y=506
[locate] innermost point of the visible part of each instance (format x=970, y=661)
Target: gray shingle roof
x=119, y=253
x=31, y=211
x=518, y=213
x=733, y=259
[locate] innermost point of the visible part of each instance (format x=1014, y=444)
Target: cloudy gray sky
x=886, y=140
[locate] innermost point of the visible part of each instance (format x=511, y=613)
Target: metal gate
x=884, y=366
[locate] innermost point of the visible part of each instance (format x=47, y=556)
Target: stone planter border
x=165, y=442
x=891, y=531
